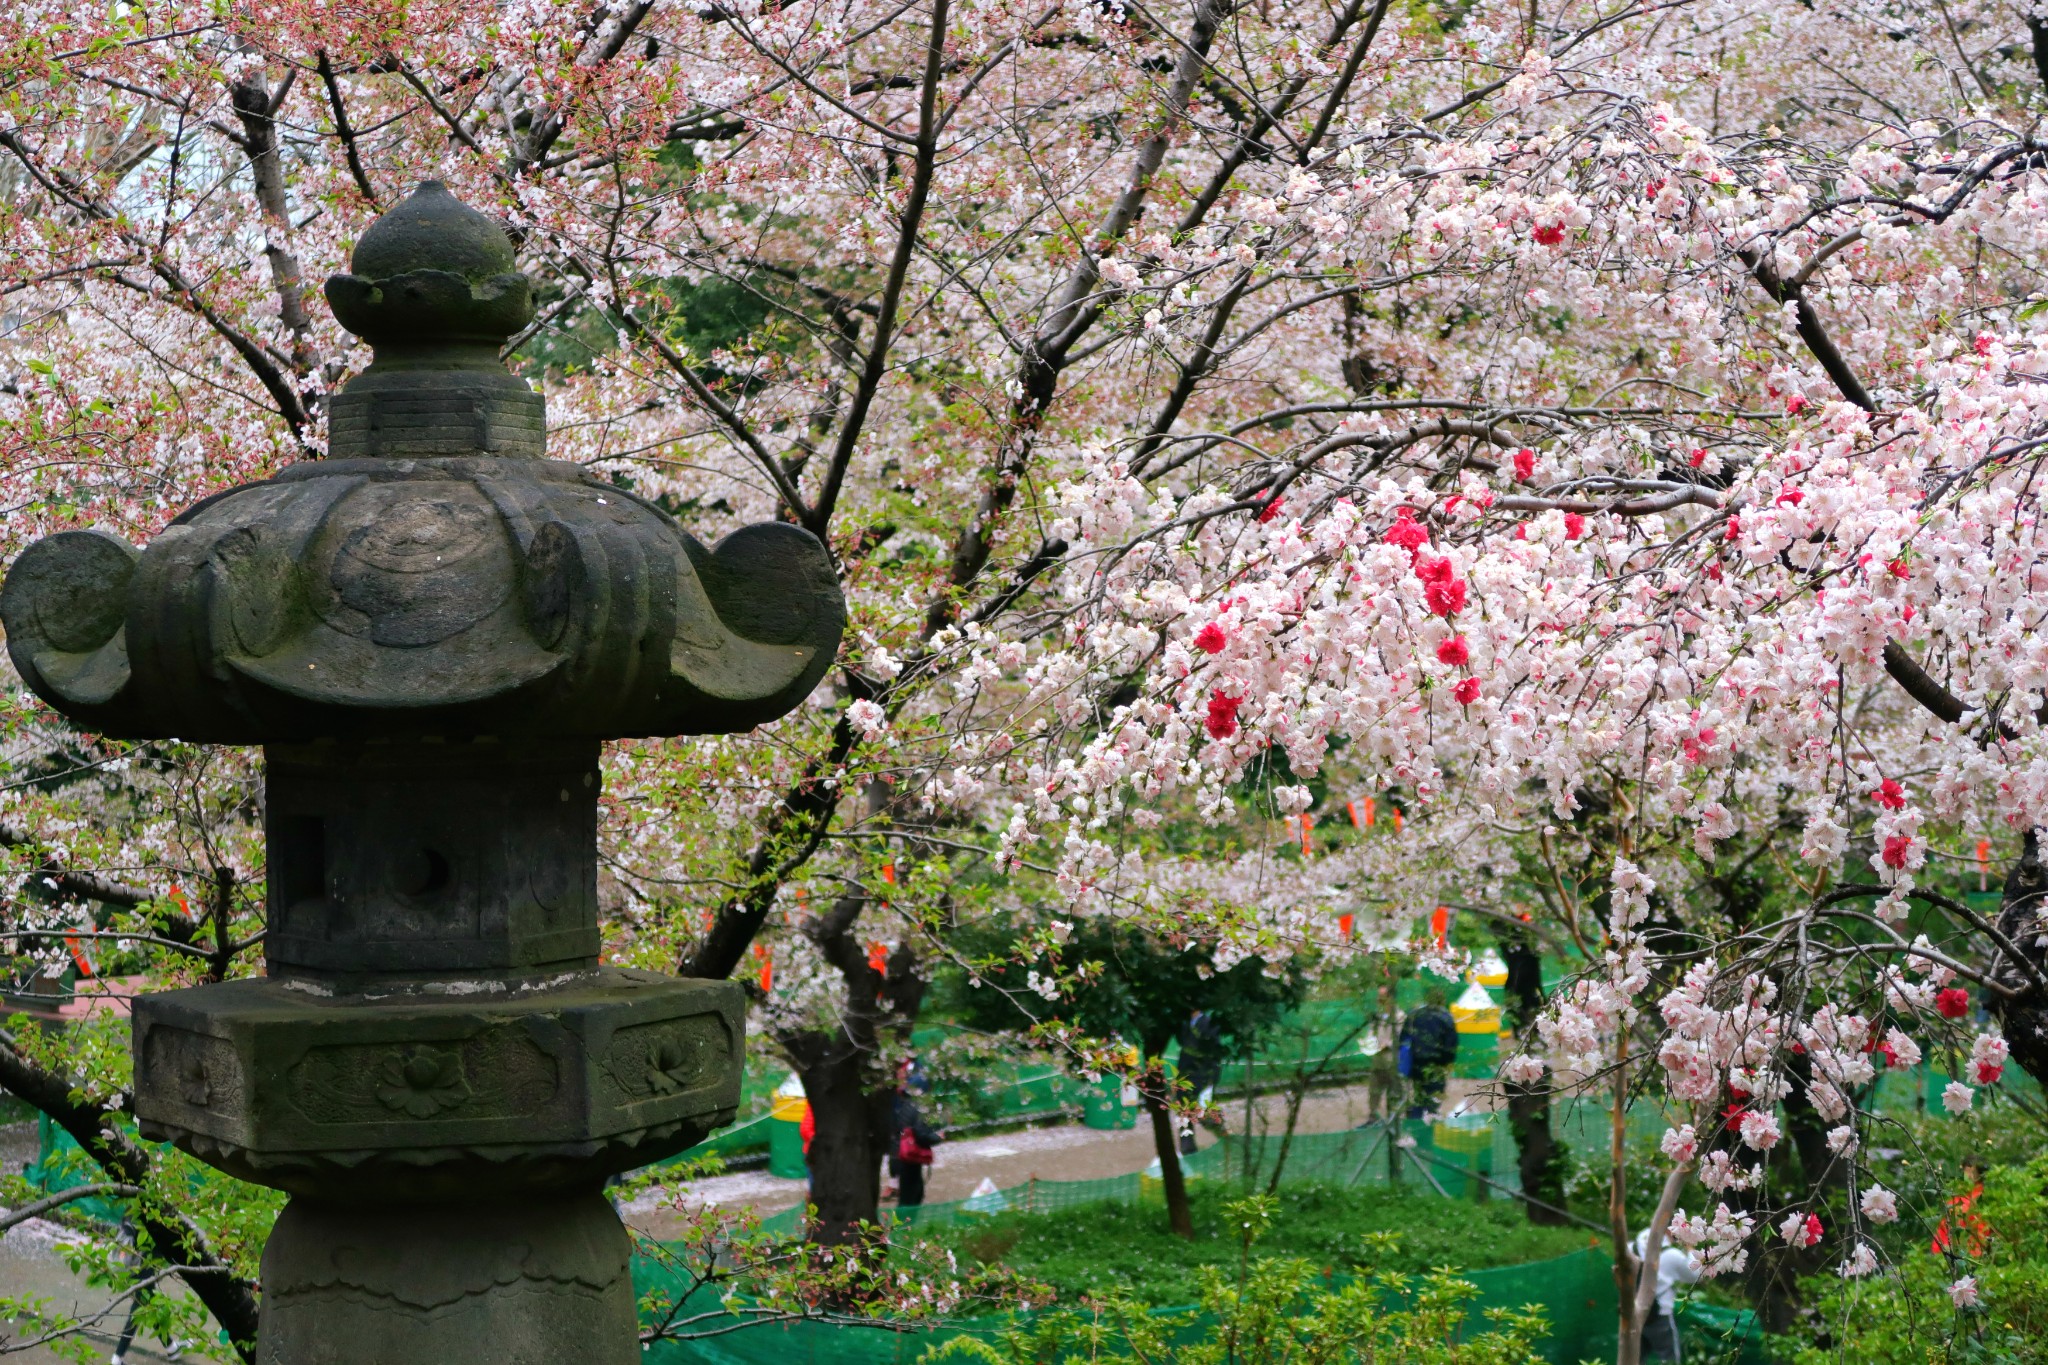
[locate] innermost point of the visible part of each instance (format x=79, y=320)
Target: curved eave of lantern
x=445, y=596
x=436, y=576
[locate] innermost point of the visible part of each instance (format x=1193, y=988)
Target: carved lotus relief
x=195, y=1087
x=655, y=1061
x=497, y=1073
x=673, y=1067
x=422, y=1081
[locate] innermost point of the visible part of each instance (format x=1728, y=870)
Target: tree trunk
x=852, y=1098
x=1637, y=1279
x=1628, y=1349
x=853, y=1119
x=1178, y=1215
x=1539, y=1157
x=2021, y=919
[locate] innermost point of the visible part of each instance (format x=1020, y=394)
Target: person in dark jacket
x=1201, y=1066
x=912, y=1156
x=1429, y=1039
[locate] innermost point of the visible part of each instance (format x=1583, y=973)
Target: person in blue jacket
x=1429, y=1044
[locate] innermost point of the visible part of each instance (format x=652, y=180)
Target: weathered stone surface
x=396, y=862
x=440, y=1094
x=531, y=1283
x=427, y=598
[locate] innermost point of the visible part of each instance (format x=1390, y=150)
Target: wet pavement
x=1064, y=1152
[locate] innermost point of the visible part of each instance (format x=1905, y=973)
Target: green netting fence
x=1467, y=1157
x=1325, y=1037
x=1576, y=1293
x=1322, y=1034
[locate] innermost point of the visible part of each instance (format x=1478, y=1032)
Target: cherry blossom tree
x=1506, y=404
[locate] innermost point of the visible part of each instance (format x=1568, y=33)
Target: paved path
x=1066, y=1152
x=32, y=1262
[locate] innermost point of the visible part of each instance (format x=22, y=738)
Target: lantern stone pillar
x=431, y=631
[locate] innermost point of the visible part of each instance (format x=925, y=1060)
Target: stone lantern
x=430, y=632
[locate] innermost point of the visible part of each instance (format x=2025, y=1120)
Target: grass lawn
x=1104, y=1246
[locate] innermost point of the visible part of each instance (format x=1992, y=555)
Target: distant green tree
x=1120, y=982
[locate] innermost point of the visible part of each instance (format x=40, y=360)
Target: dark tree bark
x=2023, y=920
x=1166, y=1143
x=853, y=1117
x=852, y=1096
x=1540, y=1158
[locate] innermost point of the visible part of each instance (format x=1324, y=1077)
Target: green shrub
x=1269, y=1311
x=1098, y=1248
x=1906, y=1318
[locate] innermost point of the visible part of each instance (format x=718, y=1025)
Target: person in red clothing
x=807, y=1128
x=1976, y=1232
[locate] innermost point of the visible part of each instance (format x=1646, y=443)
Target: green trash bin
x=1109, y=1103
x=1478, y=1018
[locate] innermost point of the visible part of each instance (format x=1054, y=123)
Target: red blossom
x=1813, y=1229
x=1525, y=464
x=1210, y=639
x=1467, y=691
x=1434, y=569
x=1952, y=1003
x=1271, y=510
x=1734, y=528
x=1890, y=795
x=1988, y=1073
x=1714, y=570
x=1454, y=652
x=1899, y=568
x=1406, y=532
x=1445, y=599
x=1796, y=404
x=1790, y=497
x=1696, y=746
x=1698, y=457
x=1983, y=343
x=1895, y=850
x=1651, y=190
x=1574, y=526
x=1550, y=234
x=1222, y=719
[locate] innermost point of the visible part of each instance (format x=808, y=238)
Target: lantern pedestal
x=516, y=1282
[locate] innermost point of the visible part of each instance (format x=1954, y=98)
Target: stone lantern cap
x=435, y=576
